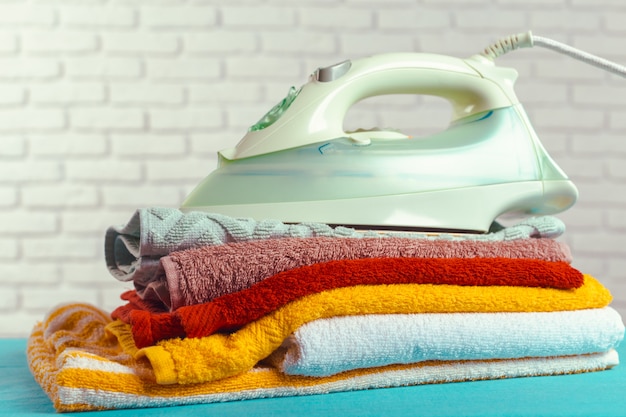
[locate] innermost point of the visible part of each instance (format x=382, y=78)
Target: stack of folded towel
x=226, y=309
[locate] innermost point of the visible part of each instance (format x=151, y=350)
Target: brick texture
x=108, y=106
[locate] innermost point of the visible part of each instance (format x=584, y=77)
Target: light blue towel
x=133, y=250
x=330, y=346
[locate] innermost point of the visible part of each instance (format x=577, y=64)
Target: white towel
x=330, y=346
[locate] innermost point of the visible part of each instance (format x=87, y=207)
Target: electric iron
x=297, y=164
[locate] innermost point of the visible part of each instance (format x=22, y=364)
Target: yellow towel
x=211, y=358
x=81, y=367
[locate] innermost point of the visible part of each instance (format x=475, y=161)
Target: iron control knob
x=333, y=72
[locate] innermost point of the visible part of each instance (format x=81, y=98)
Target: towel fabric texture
x=133, y=250
x=81, y=367
x=194, y=360
x=241, y=306
x=198, y=275
x=229, y=309
x=329, y=346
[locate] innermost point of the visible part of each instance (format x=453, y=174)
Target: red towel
x=231, y=311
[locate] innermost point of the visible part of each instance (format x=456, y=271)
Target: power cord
x=528, y=40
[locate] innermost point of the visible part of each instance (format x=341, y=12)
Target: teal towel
x=134, y=249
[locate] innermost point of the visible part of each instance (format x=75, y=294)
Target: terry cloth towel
x=81, y=368
x=198, y=275
x=193, y=360
x=133, y=250
x=238, y=308
x=338, y=344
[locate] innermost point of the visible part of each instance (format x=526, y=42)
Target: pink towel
x=199, y=275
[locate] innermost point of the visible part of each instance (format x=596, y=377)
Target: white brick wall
x=107, y=106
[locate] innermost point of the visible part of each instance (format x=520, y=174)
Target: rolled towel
x=199, y=275
x=329, y=346
x=194, y=360
x=233, y=310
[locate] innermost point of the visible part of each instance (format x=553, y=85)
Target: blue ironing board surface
x=593, y=394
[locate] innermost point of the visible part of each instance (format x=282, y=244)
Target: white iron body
x=299, y=165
